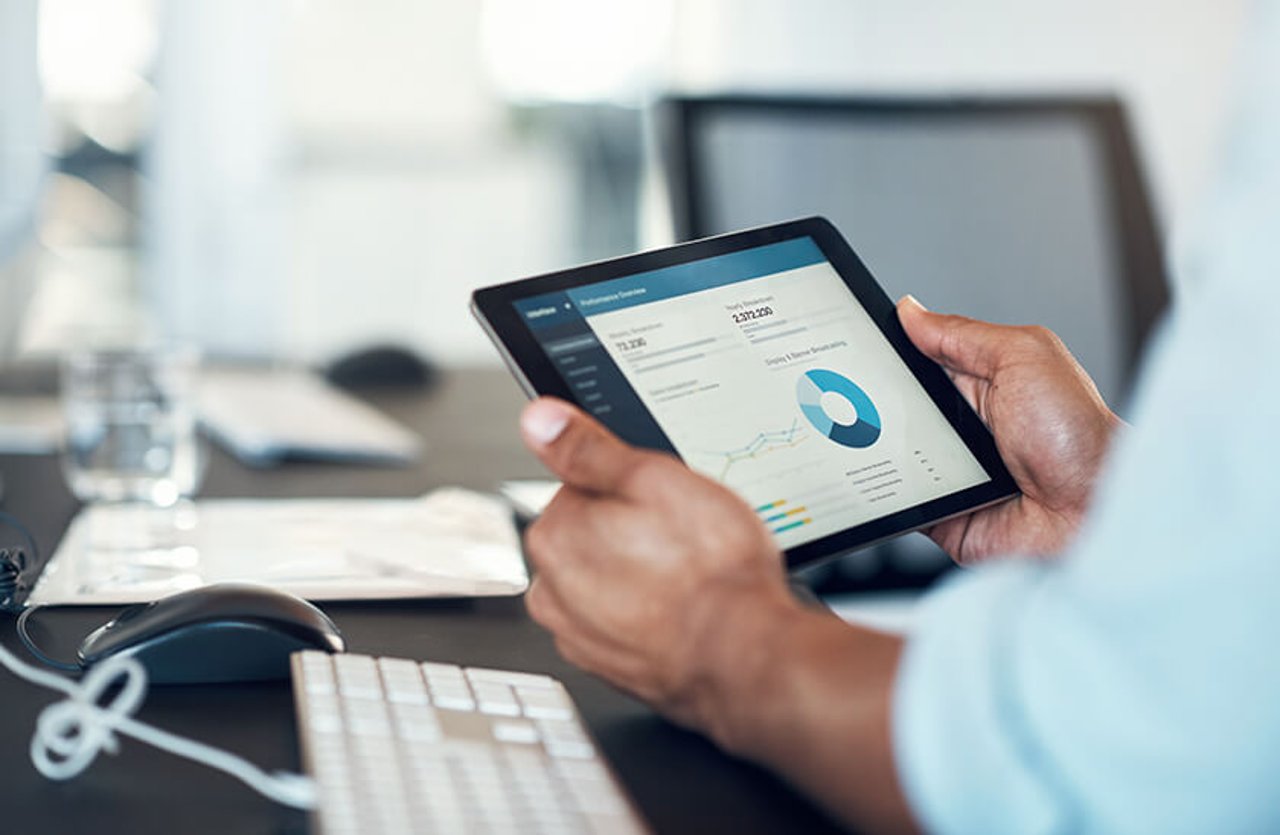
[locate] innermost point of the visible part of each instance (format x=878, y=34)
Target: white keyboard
x=263, y=416
x=399, y=746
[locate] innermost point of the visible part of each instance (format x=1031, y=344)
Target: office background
x=298, y=179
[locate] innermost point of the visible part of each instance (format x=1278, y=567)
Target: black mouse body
x=381, y=366
x=217, y=633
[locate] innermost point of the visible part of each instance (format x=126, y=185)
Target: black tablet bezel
x=495, y=308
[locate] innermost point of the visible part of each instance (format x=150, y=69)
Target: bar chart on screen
x=782, y=515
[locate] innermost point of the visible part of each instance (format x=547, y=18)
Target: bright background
x=298, y=179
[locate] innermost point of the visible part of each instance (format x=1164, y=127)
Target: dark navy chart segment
x=598, y=385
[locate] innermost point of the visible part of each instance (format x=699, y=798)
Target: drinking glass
x=131, y=425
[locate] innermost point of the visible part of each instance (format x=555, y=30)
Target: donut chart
x=860, y=434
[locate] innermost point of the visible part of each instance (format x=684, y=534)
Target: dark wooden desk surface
x=680, y=782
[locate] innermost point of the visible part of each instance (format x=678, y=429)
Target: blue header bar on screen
x=669, y=282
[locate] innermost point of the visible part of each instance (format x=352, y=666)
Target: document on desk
x=529, y=496
x=449, y=543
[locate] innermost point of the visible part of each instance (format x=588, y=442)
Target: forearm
x=809, y=696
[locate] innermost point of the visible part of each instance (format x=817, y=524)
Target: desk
x=680, y=782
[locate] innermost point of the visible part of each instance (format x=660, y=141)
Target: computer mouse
x=380, y=366
x=222, y=632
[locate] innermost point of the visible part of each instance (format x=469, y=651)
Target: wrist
x=744, y=645
x=1111, y=426
x=809, y=696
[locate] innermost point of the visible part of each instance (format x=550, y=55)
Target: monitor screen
x=1003, y=216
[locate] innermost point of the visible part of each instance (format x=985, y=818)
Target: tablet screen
x=761, y=369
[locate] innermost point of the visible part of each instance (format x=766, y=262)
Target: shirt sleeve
x=960, y=741
x=1134, y=684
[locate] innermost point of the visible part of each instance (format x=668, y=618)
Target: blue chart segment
x=863, y=432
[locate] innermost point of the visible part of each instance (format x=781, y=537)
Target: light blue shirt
x=1134, y=684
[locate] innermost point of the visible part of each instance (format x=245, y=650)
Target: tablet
x=769, y=360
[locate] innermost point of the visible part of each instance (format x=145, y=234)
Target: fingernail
x=544, y=420
x=912, y=300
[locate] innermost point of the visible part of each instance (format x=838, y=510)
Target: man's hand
x=648, y=574
x=666, y=584
x=1050, y=424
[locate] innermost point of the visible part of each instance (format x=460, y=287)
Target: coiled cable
x=72, y=732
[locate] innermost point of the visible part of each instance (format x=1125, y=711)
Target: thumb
x=576, y=447
x=964, y=345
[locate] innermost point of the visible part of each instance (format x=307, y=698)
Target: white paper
x=449, y=543
x=530, y=496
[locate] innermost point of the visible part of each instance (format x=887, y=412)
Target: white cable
x=70, y=733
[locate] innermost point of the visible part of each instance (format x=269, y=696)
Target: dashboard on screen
x=760, y=369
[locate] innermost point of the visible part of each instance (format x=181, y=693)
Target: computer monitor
x=22, y=164
x=1023, y=211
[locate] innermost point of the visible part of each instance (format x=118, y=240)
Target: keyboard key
x=367, y=717
x=326, y=715
x=498, y=699
x=357, y=676
x=565, y=739
x=444, y=672
x=402, y=681
x=480, y=674
x=453, y=699
x=416, y=723
x=523, y=733
x=544, y=703
x=319, y=673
